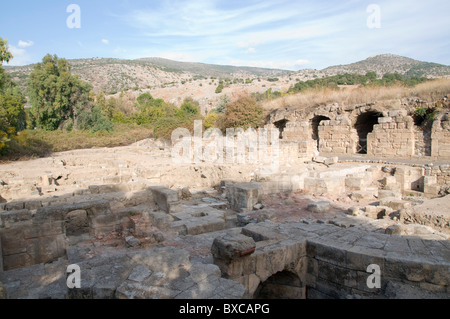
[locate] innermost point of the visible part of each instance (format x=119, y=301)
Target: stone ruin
x=138, y=226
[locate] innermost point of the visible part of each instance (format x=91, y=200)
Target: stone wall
x=393, y=136
x=440, y=138
x=337, y=137
x=297, y=131
x=39, y=236
x=331, y=262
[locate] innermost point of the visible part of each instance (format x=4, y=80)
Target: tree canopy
x=55, y=94
x=12, y=112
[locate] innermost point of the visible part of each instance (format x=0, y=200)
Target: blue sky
x=287, y=34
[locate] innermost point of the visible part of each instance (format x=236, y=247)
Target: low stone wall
x=31, y=238
x=332, y=262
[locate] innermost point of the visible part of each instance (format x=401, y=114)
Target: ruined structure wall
x=30, y=243
x=332, y=262
x=393, y=136
x=29, y=239
x=337, y=137
x=440, y=143
x=297, y=131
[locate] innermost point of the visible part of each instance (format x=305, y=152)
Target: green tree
x=94, y=120
x=5, y=54
x=188, y=108
x=55, y=94
x=12, y=112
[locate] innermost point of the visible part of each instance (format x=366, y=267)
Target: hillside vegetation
x=66, y=112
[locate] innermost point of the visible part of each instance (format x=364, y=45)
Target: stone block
x=333, y=185
x=38, y=230
x=319, y=207
x=394, y=203
x=230, y=247
x=384, y=193
x=14, y=206
x=164, y=197
x=244, y=196
x=8, y=219
x=333, y=160
x=368, y=194
x=160, y=220
x=355, y=184
x=384, y=120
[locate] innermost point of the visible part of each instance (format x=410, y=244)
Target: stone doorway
x=315, y=123
x=364, y=125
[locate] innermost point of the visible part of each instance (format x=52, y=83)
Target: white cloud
x=250, y=50
x=20, y=56
x=249, y=43
x=105, y=41
x=25, y=44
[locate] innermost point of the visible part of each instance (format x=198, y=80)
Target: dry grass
x=428, y=91
x=39, y=143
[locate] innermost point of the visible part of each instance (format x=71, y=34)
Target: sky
x=285, y=34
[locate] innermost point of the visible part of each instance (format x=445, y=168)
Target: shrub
x=219, y=89
x=211, y=120
x=94, y=121
x=188, y=108
x=244, y=113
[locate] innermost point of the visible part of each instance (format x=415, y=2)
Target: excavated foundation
x=140, y=227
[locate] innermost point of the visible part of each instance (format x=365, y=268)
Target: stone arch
x=282, y=285
x=364, y=125
x=315, y=122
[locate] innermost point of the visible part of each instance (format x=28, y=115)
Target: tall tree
x=55, y=94
x=12, y=112
x=5, y=55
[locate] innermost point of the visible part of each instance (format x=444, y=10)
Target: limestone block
x=164, y=197
x=14, y=206
x=368, y=194
x=334, y=185
x=46, y=249
x=319, y=207
x=230, y=247
x=160, y=219
x=8, y=219
x=244, y=196
x=394, y=203
x=385, y=193
x=108, y=223
x=355, y=184
x=384, y=120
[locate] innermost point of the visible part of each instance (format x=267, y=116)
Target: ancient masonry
x=140, y=227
